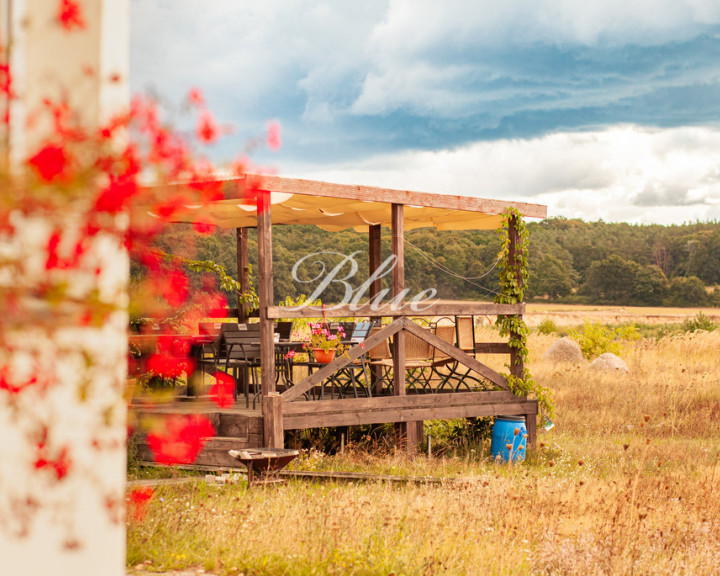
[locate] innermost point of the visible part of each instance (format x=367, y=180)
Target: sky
x=603, y=110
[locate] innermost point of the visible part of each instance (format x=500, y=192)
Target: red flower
x=168, y=365
x=274, y=141
x=70, y=15
x=181, y=440
x=223, y=391
x=139, y=501
x=13, y=387
x=207, y=129
x=176, y=289
x=51, y=163
x=203, y=228
x=59, y=465
x=116, y=195
x=195, y=97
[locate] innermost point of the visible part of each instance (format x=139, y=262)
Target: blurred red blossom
x=223, y=391
x=139, y=501
x=59, y=465
x=207, y=129
x=274, y=141
x=195, y=97
x=181, y=439
x=70, y=15
x=52, y=163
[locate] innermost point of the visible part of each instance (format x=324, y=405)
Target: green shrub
x=699, y=322
x=595, y=339
x=547, y=326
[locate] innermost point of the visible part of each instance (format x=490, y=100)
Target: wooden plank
x=273, y=420
x=455, y=353
x=421, y=309
x=407, y=197
x=265, y=293
x=492, y=348
x=392, y=402
x=531, y=425
x=243, y=268
x=353, y=354
x=320, y=419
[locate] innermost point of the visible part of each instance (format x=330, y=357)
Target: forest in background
x=570, y=261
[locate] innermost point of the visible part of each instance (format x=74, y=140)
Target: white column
x=67, y=517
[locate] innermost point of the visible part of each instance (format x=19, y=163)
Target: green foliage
x=513, y=273
x=547, y=326
x=595, y=339
x=687, y=292
x=699, y=322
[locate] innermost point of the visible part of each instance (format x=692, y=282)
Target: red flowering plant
x=321, y=338
x=82, y=201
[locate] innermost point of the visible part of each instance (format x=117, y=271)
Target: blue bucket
x=503, y=435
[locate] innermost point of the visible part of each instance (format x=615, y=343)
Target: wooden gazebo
x=277, y=200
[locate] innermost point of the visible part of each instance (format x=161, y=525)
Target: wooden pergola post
x=516, y=363
x=374, y=261
x=243, y=270
x=407, y=431
x=271, y=401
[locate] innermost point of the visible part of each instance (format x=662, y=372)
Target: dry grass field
x=627, y=482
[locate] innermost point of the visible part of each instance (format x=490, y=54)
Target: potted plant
x=323, y=344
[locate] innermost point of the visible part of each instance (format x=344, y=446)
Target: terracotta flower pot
x=323, y=356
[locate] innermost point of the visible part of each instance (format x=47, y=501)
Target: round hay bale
x=564, y=350
x=609, y=362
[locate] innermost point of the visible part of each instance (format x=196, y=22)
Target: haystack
x=564, y=350
x=609, y=362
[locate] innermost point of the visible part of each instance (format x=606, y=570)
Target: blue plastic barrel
x=504, y=434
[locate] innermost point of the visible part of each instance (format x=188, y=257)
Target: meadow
x=625, y=483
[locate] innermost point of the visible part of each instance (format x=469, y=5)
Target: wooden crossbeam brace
x=339, y=363
x=455, y=353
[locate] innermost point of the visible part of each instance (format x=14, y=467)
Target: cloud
x=621, y=173
x=598, y=109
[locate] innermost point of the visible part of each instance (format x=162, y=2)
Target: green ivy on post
x=513, y=273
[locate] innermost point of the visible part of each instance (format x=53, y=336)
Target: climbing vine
x=513, y=273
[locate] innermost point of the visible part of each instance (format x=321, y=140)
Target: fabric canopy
x=334, y=214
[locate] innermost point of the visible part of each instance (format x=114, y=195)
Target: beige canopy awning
x=335, y=207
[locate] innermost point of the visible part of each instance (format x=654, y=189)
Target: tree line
x=570, y=261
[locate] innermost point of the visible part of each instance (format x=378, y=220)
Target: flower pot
x=323, y=356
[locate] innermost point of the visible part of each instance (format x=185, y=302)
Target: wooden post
x=516, y=364
x=243, y=270
x=406, y=431
x=265, y=293
x=273, y=420
x=374, y=261
x=375, y=256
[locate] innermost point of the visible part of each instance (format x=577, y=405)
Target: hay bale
x=564, y=350
x=609, y=362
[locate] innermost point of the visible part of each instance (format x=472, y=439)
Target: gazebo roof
x=337, y=207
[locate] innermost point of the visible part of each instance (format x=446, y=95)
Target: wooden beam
x=265, y=293
x=391, y=196
x=393, y=402
x=425, y=310
x=403, y=409
x=243, y=269
x=492, y=348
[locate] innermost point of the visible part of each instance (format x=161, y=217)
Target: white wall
x=74, y=525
